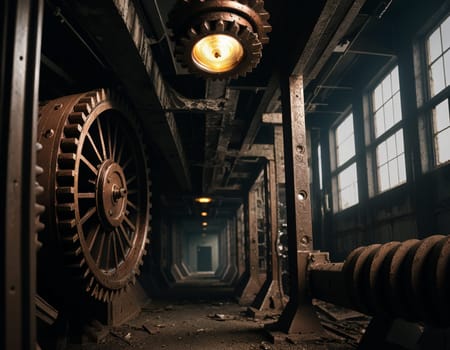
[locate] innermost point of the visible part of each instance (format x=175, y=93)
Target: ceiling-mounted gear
x=219, y=38
x=97, y=189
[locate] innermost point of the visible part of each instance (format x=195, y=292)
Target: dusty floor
x=202, y=325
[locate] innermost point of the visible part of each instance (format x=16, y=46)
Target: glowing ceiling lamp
x=217, y=53
x=204, y=213
x=204, y=224
x=219, y=39
x=203, y=200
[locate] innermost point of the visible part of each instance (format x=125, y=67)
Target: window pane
x=377, y=98
x=348, y=187
x=383, y=178
x=345, y=143
x=434, y=46
x=445, y=30
x=441, y=116
x=443, y=146
x=387, y=90
x=397, y=108
x=382, y=154
x=395, y=82
x=437, y=82
x=389, y=114
x=391, y=147
x=401, y=168
x=447, y=67
x=399, y=142
x=346, y=151
x=393, y=173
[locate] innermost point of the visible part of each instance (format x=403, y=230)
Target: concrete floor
x=201, y=313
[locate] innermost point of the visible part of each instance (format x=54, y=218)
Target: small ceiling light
x=204, y=213
x=204, y=224
x=219, y=39
x=203, y=200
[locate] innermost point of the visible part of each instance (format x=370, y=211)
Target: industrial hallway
x=225, y=174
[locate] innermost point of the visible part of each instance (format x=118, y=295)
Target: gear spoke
x=130, y=180
x=125, y=235
x=102, y=140
x=86, y=195
x=94, y=147
x=119, y=156
x=88, y=214
x=108, y=137
x=131, y=204
x=100, y=250
x=130, y=224
x=93, y=237
x=113, y=151
x=89, y=164
x=127, y=163
x=108, y=251
x=122, y=249
x=114, y=245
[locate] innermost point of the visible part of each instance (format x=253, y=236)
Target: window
x=388, y=134
x=438, y=45
x=438, y=65
x=347, y=180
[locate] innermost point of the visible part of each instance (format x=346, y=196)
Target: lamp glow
x=203, y=200
x=217, y=53
x=204, y=213
x=204, y=224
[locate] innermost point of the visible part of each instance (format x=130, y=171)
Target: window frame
x=372, y=141
x=429, y=102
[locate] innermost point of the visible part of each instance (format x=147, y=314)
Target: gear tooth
x=205, y=27
x=73, y=130
x=39, y=147
x=69, y=145
x=67, y=160
x=70, y=239
x=39, y=170
x=83, y=107
x=65, y=208
x=65, y=194
x=67, y=225
x=95, y=96
x=192, y=33
x=234, y=28
x=90, y=100
x=220, y=26
x=65, y=178
x=77, y=118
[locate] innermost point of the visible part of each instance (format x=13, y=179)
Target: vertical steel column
x=21, y=31
x=270, y=297
x=253, y=284
x=240, y=241
x=298, y=316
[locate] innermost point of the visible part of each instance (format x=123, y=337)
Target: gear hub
x=219, y=38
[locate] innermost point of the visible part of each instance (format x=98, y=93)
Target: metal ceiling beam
x=333, y=23
x=138, y=72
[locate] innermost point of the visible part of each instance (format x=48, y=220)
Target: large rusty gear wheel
x=97, y=189
x=246, y=21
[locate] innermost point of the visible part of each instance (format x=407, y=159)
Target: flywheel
x=96, y=188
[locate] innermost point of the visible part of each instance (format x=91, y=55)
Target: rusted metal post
x=252, y=283
x=21, y=28
x=270, y=297
x=240, y=241
x=298, y=317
